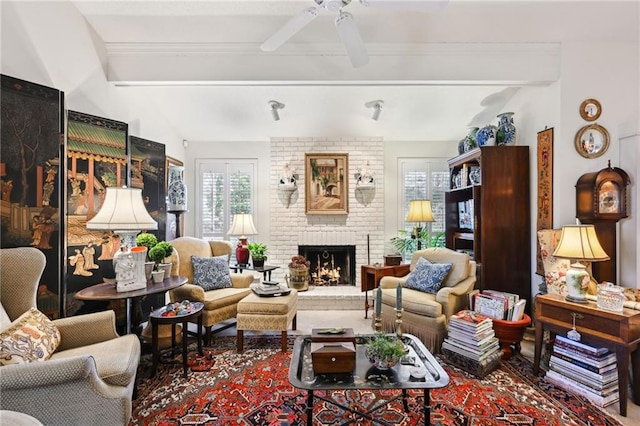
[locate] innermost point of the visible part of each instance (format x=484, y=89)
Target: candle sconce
x=365, y=185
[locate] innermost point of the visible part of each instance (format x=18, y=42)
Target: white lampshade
x=420, y=211
x=580, y=242
x=242, y=226
x=122, y=210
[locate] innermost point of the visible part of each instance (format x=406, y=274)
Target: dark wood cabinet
x=489, y=216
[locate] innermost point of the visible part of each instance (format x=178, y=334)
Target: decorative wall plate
x=590, y=110
x=592, y=141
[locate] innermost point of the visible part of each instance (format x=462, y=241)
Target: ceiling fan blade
x=417, y=5
x=350, y=36
x=289, y=29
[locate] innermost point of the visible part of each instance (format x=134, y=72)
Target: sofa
x=220, y=304
x=425, y=315
x=88, y=379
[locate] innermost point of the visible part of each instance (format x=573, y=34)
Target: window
x=423, y=179
x=226, y=187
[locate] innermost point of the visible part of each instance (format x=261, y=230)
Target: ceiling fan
x=345, y=24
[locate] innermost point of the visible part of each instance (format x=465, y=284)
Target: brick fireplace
x=331, y=265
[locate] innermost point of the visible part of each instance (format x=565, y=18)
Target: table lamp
x=124, y=213
x=242, y=226
x=419, y=211
x=579, y=243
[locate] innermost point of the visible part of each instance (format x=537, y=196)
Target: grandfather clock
x=601, y=200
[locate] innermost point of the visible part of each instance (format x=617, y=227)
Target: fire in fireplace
x=331, y=265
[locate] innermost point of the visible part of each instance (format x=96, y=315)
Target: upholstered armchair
x=425, y=315
x=220, y=304
x=88, y=379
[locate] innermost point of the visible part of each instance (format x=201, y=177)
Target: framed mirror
x=590, y=110
x=592, y=141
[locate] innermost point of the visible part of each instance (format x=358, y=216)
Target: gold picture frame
x=590, y=109
x=592, y=141
x=326, y=186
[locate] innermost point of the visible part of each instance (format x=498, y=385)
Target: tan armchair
x=219, y=305
x=425, y=315
x=88, y=380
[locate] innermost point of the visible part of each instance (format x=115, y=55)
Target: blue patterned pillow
x=211, y=273
x=427, y=276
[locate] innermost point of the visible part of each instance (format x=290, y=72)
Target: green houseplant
x=258, y=254
x=384, y=350
x=406, y=244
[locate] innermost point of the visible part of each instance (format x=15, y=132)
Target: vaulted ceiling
x=200, y=64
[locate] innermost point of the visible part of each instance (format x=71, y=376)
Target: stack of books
x=471, y=343
x=498, y=304
x=586, y=370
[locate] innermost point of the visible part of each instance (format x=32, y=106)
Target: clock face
x=608, y=200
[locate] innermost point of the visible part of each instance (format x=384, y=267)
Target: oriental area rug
x=252, y=388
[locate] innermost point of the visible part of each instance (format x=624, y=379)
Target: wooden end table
x=107, y=291
x=619, y=331
x=370, y=276
x=156, y=318
x=265, y=270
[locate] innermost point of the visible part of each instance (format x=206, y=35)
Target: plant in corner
x=384, y=350
x=258, y=254
x=406, y=243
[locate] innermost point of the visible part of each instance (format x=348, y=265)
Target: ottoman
x=267, y=314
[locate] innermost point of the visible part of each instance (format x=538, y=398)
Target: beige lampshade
x=420, y=211
x=122, y=210
x=580, y=242
x=242, y=226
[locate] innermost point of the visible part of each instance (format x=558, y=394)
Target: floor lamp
x=419, y=211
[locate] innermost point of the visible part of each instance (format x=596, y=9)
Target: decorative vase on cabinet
x=177, y=190
x=487, y=135
x=468, y=142
x=506, y=134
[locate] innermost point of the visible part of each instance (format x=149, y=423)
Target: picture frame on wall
x=326, y=184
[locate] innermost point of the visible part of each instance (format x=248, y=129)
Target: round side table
x=156, y=318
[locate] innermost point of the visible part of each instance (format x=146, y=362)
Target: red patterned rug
x=252, y=388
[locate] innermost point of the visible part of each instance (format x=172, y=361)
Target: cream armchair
x=219, y=305
x=88, y=380
x=425, y=315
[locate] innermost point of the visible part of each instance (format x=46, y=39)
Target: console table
x=370, y=276
x=619, y=331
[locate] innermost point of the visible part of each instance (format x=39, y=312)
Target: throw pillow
x=428, y=277
x=211, y=273
x=31, y=337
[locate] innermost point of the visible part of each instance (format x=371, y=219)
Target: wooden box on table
x=333, y=351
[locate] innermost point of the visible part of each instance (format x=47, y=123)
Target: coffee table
x=366, y=376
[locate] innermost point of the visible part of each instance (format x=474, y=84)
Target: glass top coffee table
x=366, y=376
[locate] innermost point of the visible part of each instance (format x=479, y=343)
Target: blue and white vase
x=487, y=135
x=177, y=190
x=468, y=142
x=506, y=129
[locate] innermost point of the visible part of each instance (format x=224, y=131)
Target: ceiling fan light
x=289, y=29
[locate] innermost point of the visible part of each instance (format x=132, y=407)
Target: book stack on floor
x=471, y=343
x=585, y=370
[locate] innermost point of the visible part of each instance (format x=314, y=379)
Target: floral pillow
x=31, y=337
x=211, y=273
x=428, y=277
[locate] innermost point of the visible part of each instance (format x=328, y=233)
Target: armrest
x=392, y=282
x=241, y=280
x=453, y=299
x=190, y=292
x=87, y=329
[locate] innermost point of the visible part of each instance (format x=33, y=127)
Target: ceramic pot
x=257, y=263
x=148, y=269
x=177, y=189
x=470, y=140
x=166, y=268
x=487, y=135
x=157, y=276
x=506, y=129
x=510, y=333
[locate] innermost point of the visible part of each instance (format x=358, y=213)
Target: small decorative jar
x=487, y=135
x=610, y=297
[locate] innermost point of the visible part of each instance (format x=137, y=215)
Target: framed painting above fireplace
x=326, y=186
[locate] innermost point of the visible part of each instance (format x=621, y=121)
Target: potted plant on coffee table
x=384, y=350
x=258, y=254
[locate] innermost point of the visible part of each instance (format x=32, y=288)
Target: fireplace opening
x=331, y=265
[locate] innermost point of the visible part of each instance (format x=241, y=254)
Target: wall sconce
x=275, y=106
x=364, y=177
x=287, y=185
x=377, y=107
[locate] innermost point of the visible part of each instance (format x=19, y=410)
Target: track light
x=377, y=107
x=275, y=106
